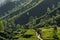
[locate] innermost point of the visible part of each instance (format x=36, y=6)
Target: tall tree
x=1, y=26
x=58, y=4
x=55, y=30
x=48, y=10
x=53, y=7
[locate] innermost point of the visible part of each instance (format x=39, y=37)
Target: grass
x=58, y=32
x=29, y=32
x=47, y=34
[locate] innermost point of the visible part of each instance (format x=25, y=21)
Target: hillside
x=21, y=19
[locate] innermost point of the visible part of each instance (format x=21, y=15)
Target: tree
x=55, y=30
x=31, y=18
x=1, y=26
x=57, y=12
x=12, y=31
x=42, y=22
x=55, y=33
x=53, y=7
x=48, y=10
x=30, y=26
x=33, y=22
x=47, y=15
x=22, y=29
x=58, y=4
x=27, y=13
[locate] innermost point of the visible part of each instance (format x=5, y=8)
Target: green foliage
x=53, y=7
x=55, y=33
x=58, y=4
x=26, y=10
x=17, y=31
x=27, y=13
x=1, y=26
x=16, y=8
x=47, y=34
x=48, y=10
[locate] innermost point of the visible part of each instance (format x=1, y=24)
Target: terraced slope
x=22, y=9
x=29, y=7
x=45, y=15
x=14, y=31
x=16, y=8
x=37, y=11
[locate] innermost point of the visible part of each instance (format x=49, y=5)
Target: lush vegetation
x=48, y=23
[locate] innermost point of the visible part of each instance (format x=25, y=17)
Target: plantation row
x=20, y=9
x=49, y=12
x=13, y=31
x=29, y=7
x=9, y=30
x=16, y=8
x=10, y=5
